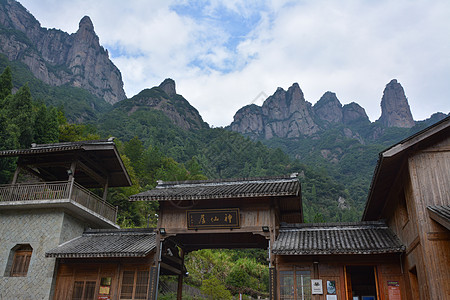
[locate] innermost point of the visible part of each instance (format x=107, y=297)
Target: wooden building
x=411, y=191
x=105, y=264
x=47, y=204
x=346, y=260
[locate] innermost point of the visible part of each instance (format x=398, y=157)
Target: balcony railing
x=53, y=191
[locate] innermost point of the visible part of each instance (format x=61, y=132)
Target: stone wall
x=43, y=229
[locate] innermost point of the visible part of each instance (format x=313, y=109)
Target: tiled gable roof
x=107, y=243
x=56, y=147
x=336, y=238
x=221, y=189
x=441, y=214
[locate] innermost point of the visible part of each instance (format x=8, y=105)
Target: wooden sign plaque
x=213, y=218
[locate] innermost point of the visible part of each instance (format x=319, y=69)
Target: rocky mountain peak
x=395, y=111
x=174, y=106
x=295, y=92
x=86, y=24
x=284, y=114
x=59, y=58
x=168, y=86
x=352, y=113
x=329, y=108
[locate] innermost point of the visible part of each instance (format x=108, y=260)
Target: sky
x=226, y=54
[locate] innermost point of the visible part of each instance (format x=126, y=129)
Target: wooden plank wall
x=332, y=267
x=429, y=171
x=254, y=213
x=73, y=270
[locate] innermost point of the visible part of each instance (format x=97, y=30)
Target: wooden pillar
x=73, y=166
x=16, y=175
x=105, y=188
x=180, y=277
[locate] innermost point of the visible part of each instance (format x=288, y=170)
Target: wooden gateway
x=234, y=213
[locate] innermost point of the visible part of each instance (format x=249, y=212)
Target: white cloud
x=353, y=48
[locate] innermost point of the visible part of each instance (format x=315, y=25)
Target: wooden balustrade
x=53, y=191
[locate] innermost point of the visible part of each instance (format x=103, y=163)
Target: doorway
x=361, y=283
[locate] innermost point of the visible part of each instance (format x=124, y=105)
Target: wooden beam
x=101, y=170
x=94, y=175
x=31, y=171
x=174, y=259
x=170, y=268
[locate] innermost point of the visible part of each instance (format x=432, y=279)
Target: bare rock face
x=58, y=58
x=248, y=120
x=395, y=111
x=284, y=114
x=168, y=86
x=288, y=114
x=328, y=108
x=352, y=113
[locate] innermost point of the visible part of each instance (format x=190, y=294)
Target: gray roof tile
x=220, y=189
x=107, y=243
x=336, y=238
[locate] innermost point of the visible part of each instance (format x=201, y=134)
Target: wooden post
x=105, y=189
x=16, y=175
x=180, y=277
x=73, y=166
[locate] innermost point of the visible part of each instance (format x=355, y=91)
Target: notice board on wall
x=394, y=290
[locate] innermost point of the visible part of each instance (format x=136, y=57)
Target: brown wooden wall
x=424, y=180
x=93, y=270
x=254, y=213
x=430, y=180
x=332, y=267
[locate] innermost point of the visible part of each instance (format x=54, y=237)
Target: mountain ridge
x=286, y=114
x=59, y=58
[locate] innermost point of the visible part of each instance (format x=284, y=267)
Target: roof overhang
x=391, y=163
x=337, y=239
x=107, y=243
x=97, y=161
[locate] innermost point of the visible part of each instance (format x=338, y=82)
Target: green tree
x=214, y=289
x=5, y=83
x=9, y=139
x=20, y=110
x=46, y=125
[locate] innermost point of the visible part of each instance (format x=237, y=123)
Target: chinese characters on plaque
x=213, y=218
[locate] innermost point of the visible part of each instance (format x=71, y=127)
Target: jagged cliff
x=395, y=111
x=286, y=114
x=59, y=58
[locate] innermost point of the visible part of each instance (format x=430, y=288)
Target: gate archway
x=217, y=214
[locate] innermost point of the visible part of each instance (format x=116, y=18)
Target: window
x=134, y=285
x=83, y=290
x=295, y=285
x=21, y=260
